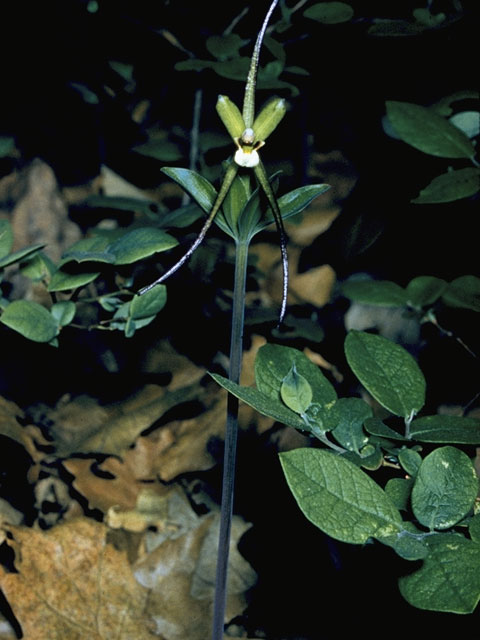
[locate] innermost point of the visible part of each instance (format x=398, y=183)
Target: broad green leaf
x=399, y=490
x=468, y=122
x=148, y=304
x=446, y=429
x=387, y=371
x=410, y=461
x=21, y=254
x=122, y=203
x=194, y=65
x=225, y=47
x=94, y=249
x=410, y=547
x=449, y=579
x=474, y=528
x=63, y=312
x=376, y=292
x=38, y=267
x=162, y=150
x=329, y=12
x=201, y=190
x=338, y=497
x=450, y=186
x=6, y=238
x=31, y=320
x=262, y=403
x=272, y=364
x=464, y=293
x=424, y=290
x=140, y=243
x=236, y=69
x=445, y=488
x=376, y=427
x=293, y=202
x=233, y=206
x=425, y=130
x=63, y=280
x=350, y=414
x=295, y=391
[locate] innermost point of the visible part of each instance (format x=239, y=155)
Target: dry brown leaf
x=10, y=427
x=72, y=584
x=180, y=570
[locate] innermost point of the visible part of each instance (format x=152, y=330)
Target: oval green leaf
x=148, y=304
x=463, y=293
x=449, y=579
x=338, y=497
x=387, y=371
x=445, y=488
x=140, y=243
x=424, y=290
x=350, y=414
x=450, y=186
x=425, y=130
x=330, y=12
x=375, y=292
x=295, y=391
x=63, y=312
x=6, y=238
x=293, y=202
x=201, y=190
x=446, y=429
x=31, y=320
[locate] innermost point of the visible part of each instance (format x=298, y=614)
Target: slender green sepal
x=269, y=118
x=249, y=99
x=230, y=116
x=230, y=174
x=262, y=178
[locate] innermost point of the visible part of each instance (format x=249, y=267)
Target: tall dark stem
x=236, y=349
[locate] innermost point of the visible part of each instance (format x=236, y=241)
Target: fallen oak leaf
x=72, y=584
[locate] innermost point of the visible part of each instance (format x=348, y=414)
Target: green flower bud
x=269, y=117
x=230, y=116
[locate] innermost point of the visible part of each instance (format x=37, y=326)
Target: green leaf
x=162, y=150
x=425, y=130
x=450, y=186
x=424, y=291
x=63, y=312
x=409, y=547
x=338, y=497
x=387, y=371
x=201, y=190
x=375, y=292
x=140, y=243
x=122, y=203
x=225, y=47
x=38, y=267
x=449, y=579
x=262, y=403
x=294, y=202
x=195, y=65
x=445, y=488
x=63, y=280
x=94, y=249
x=329, y=12
x=31, y=320
x=376, y=427
x=474, y=528
x=295, y=391
x=463, y=293
x=6, y=238
x=410, y=461
x=148, y=304
x=399, y=490
x=21, y=254
x=350, y=414
x=446, y=429
x=236, y=69
x=273, y=363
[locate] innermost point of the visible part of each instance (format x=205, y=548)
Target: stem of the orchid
x=226, y=184
x=228, y=483
x=249, y=99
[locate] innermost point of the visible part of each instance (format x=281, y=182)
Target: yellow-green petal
x=269, y=117
x=231, y=117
